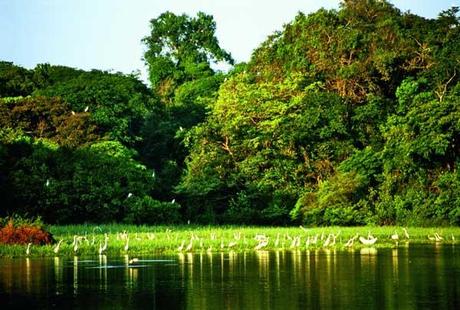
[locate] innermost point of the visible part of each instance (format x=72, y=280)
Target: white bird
x=73, y=113
x=395, y=237
x=189, y=246
x=438, y=237
x=127, y=244
x=277, y=241
x=86, y=109
x=181, y=247
x=56, y=248
x=153, y=173
x=173, y=201
x=75, y=247
x=180, y=128
x=351, y=241
x=369, y=241
x=47, y=182
x=133, y=260
x=262, y=244
x=328, y=241
x=28, y=248
x=103, y=248
x=406, y=234
x=130, y=194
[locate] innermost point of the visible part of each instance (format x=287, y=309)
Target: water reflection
x=403, y=277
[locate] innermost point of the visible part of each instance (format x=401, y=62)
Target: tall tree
x=180, y=49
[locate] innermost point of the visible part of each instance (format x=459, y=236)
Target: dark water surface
x=415, y=277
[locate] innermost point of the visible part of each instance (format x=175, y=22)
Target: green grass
x=167, y=239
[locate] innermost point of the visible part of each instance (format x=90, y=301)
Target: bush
x=146, y=210
x=17, y=230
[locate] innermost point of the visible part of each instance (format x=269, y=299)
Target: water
x=405, y=278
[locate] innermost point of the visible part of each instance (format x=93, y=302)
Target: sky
x=106, y=34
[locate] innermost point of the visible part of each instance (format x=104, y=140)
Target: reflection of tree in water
x=391, y=278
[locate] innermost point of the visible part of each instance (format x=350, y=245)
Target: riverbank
x=134, y=240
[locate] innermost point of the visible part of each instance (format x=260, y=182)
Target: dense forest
x=343, y=117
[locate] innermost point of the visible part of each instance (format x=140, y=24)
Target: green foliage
x=145, y=210
x=14, y=80
x=116, y=103
x=180, y=49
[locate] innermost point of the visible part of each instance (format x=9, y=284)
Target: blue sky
x=106, y=34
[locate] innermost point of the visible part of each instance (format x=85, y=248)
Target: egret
x=173, y=201
x=56, y=248
x=438, y=237
x=352, y=241
x=222, y=246
x=47, y=182
x=75, y=247
x=395, y=237
x=262, y=244
x=86, y=109
x=369, y=241
x=130, y=194
x=295, y=242
x=181, y=247
x=189, y=246
x=314, y=240
x=102, y=248
x=307, y=243
x=28, y=248
x=406, y=234
x=73, y=113
x=277, y=241
x=133, y=260
x=328, y=241
x=127, y=244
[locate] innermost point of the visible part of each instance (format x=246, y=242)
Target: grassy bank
x=122, y=239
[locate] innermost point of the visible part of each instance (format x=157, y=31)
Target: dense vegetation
x=344, y=117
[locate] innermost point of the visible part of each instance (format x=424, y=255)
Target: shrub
x=18, y=230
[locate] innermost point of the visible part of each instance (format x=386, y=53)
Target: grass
x=168, y=239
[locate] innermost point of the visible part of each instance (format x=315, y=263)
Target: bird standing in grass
x=262, y=244
x=395, y=237
x=406, y=233
x=75, y=247
x=369, y=241
x=181, y=247
x=56, y=248
x=126, y=248
x=28, y=248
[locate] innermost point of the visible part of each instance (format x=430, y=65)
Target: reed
x=87, y=240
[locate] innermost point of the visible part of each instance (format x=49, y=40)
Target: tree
x=179, y=49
